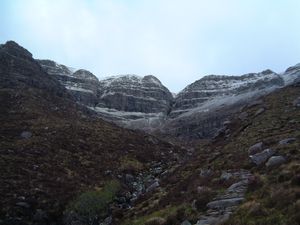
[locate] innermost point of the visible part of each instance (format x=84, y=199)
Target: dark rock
x=107, y=221
x=129, y=178
x=23, y=204
x=258, y=147
x=153, y=186
x=214, y=219
x=243, y=116
x=226, y=123
x=255, y=103
x=40, y=216
x=206, y=173
x=26, y=134
x=225, y=176
x=224, y=203
x=238, y=187
x=107, y=172
x=121, y=200
x=287, y=141
x=259, y=111
x=275, y=161
x=261, y=157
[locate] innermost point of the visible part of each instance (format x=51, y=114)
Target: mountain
x=62, y=164
x=143, y=103
x=54, y=150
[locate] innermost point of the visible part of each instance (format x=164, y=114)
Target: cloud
x=178, y=41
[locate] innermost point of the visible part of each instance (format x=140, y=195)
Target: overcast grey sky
x=179, y=41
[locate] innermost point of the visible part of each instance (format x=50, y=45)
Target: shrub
x=91, y=205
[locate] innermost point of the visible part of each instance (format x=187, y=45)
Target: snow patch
x=72, y=88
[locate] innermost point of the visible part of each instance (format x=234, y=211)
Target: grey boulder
x=26, y=134
x=225, y=203
x=260, y=158
x=287, y=141
x=258, y=147
x=275, y=161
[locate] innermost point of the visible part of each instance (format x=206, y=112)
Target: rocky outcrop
x=220, y=209
x=132, y=93
x=202, y=107
x=215, y=87
x=82, y=84
x=18, y=68
x=292, y=74
x=134, y=101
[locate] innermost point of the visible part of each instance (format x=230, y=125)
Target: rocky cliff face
x=134, y=101
x=132, y=93
x=82, y=84
x=213, y=86
x=202, y=107
x=19, y=68
x=128, y=100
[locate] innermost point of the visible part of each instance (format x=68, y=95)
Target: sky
x=178, y=41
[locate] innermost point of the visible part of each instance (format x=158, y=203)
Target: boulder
x=243, y=116
x=206, y=173
x=23, y=204
x=224, y=203
x=26, y=134
x=225, y=176
x=238, y=187
x=259, y=111
x=258, y=147
x=129, y=178
x=153, y=186
x=287, y=141
x=262, y=157
x=275, y=161
x=214, y=219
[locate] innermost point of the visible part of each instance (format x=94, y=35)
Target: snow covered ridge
x=291, y=74
x=130, y=79
x=54, y=68
x=221, y=82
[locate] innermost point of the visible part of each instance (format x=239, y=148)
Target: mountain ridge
x=144, y=103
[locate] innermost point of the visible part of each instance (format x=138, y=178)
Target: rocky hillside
x=248, y=174
x=55, y=154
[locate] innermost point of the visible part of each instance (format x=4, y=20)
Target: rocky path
x=224, y=204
